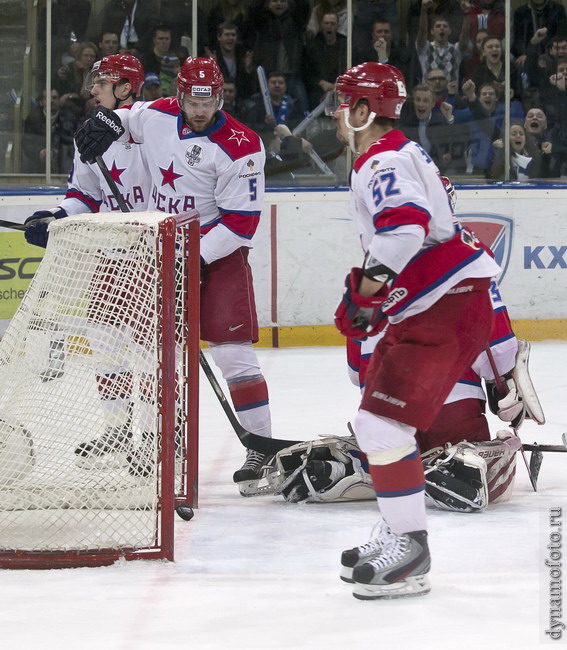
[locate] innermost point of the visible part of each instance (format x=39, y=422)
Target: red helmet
x=117, y=67
x=200, y=77
x=450, y=191
x=383, y=86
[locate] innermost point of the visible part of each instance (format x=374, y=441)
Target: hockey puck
x=185, y=512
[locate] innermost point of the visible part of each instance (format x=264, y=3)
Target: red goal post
x=99, y=372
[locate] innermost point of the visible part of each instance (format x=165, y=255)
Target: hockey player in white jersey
x=114, y=82
x=200, y=157
x=428, y=279
x=464, y=469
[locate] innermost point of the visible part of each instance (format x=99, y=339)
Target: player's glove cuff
x=358, y=316
x=96, y=134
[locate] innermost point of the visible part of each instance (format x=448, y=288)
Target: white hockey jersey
x=88, y=191
x=405, y=221
x=219, y=171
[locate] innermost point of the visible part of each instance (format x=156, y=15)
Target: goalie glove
x=37, y=225
x=510, y=407
x=358, y=316
x=96, y=134
x=521, y=399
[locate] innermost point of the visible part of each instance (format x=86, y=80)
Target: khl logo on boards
x=494, y=231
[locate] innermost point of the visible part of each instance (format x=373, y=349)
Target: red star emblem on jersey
x=169, y=176
x=239, y=137
x=115, y=172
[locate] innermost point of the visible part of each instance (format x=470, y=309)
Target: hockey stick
x=263, y=81
x=247, y=438
x=536, y=459
x=268, y=107
x=551, y=448
x=12, y=225
x=306, y=121
x=112, y=184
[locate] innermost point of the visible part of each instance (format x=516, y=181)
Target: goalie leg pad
x=500, y=457
x=456, y=479
x=325, y=470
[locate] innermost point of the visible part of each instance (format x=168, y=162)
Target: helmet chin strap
x=355, y=129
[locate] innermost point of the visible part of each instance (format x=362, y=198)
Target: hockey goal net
x=99, y=393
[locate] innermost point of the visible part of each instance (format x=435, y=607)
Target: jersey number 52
x=384, y=185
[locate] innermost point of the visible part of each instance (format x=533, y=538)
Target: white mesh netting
x=79, y=391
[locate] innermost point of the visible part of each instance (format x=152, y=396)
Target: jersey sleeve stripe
x=241, y=225
x=244, y=213
x=402, y=215
x=501, y=339
x=91, y=204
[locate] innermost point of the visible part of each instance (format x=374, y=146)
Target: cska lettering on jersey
x=171, y=204
x=134, y=199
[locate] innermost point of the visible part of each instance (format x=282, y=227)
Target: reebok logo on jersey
x=395, y=296
x=108, y=121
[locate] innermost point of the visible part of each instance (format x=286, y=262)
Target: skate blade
x=346, y=575
x=104, y=462
x=255, y=488
x=411, y=586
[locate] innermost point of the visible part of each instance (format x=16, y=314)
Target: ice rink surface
x=260, y=573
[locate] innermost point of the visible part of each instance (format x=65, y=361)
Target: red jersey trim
x=236, y=139
x=167, y=105
x=92, y=205
x=403, y=215
x=391, y=141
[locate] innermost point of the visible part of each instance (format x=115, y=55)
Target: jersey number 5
x=384, y=185
x=253, y=188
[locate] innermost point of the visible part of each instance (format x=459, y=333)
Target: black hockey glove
x=97, y=133
x=36, y=226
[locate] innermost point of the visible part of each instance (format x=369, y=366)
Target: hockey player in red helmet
x=199, y=91
x=200, y=157
x=429, y=284
x=114, y=82
x=382, y=87
x=117, y=70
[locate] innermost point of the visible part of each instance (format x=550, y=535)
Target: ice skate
x=398, y=570
x=250, y=477
x=359, y=555
x=141, y=461
x=106, y=451
x=55, y=368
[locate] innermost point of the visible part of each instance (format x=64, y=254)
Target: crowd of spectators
x=450, y=51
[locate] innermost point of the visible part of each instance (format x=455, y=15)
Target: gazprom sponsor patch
x=201, y=91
